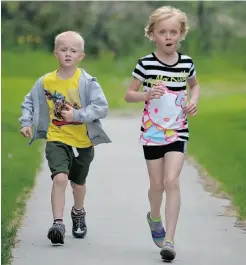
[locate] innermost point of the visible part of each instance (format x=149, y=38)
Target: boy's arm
x=26, y=119
x=97, y=108
x=27, y=111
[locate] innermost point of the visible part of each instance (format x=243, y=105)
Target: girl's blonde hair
x=166, y=12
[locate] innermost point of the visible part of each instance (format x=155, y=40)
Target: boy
x=64, y=107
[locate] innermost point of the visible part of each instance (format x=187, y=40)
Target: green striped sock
x=156, y=220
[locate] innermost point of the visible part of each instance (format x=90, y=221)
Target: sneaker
x=57, y=233
x=168, y=253
x=79, y=229
x=157, y=231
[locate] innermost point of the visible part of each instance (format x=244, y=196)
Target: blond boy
x=64, y=107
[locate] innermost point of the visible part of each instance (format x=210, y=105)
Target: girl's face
x=166, y=34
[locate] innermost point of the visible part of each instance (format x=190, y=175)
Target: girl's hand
x=190, y=108
x=155, y=92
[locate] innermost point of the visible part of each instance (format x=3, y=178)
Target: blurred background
x=114, y=41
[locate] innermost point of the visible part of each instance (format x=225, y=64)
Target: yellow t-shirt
x=57, y=92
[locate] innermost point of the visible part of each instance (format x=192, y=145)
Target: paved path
x=116, y=206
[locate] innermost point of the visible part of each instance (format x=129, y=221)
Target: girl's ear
x=152, y=36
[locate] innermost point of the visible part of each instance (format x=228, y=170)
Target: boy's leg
x=154, y=161
x=60, y=182
x=78, y=174
x=59, y=157
x=79, y=192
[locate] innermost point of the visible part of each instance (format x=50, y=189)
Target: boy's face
x=166, y=34
x=69, y=52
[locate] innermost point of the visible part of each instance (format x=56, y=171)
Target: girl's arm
x=191, y=107
x=195, y=89
x=132, y=94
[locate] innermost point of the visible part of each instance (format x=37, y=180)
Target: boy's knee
x=61, y=179
x=77, y=186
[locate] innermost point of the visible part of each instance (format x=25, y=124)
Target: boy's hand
x=26, y=132
x=67, y=114
x=190, y=108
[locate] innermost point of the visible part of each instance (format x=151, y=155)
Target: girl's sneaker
x=168, y=253
x=157, y=231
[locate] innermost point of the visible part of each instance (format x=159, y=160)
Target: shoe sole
x=56, y=237
x=168, y=254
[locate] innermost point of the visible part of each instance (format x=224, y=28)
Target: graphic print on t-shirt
x=163, y=119
x=60, y=103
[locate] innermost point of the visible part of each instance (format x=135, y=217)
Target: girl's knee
x=157, y=187
x=171, y=183
x=61, y=179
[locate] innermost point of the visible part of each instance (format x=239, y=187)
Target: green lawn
x=217, y=132
x=218, y=143
x=19, y=162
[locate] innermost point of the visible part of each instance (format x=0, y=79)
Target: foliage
x=118, y=26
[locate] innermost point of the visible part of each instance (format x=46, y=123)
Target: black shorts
x=152, y=152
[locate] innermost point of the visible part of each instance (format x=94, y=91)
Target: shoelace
x=60, y=226
x=168, y=243
x=79, y=221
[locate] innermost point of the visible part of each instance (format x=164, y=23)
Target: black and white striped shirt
x=163, y=119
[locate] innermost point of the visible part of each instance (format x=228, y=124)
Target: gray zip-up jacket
x=35, y=109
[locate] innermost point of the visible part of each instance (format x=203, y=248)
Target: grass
x=217, y=133
x=19, y=162
x=218, y=143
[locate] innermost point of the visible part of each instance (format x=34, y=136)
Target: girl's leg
x=155, y=193
x=155, y=169
x=173, y=163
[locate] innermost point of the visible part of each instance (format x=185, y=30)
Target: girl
x=164, y=131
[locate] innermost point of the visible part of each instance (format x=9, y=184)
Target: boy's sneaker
x=79, y=229
x=168, y=253
x=157, y=231
x=57, y=233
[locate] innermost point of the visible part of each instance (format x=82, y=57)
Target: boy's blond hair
x=166, y=12
x=70, y=33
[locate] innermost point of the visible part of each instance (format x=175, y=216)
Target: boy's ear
x=55, y=53
x=82, y=56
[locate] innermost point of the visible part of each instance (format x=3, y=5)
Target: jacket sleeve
x=97, y=107
x=26, y=120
